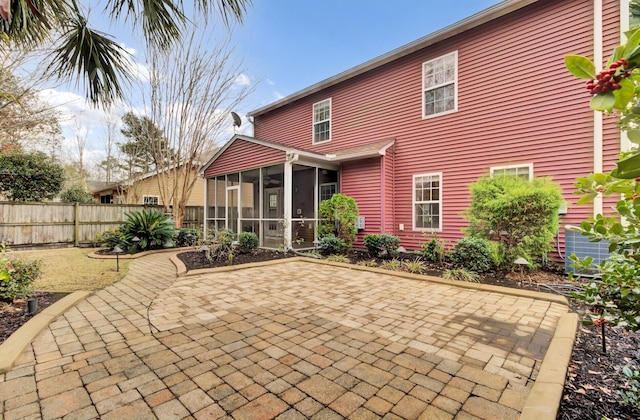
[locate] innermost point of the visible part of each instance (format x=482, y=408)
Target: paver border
x=544, y=398
x=13, y=347
x=94, y=254
x=182, y=272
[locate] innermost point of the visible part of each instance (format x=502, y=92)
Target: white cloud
x=271, y=82
x=243, y=80
x=278, y=95
x=77, y=117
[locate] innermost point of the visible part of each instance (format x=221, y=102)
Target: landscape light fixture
x=135, y=241
x=117, y=250
x=521, y=262
x=32, y=306
x=204, y=249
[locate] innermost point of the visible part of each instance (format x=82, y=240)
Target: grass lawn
x=69, y=269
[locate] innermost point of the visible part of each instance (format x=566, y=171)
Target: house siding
x=149, y=186
x=516, y=104
x=361, y=181
x=243, y=155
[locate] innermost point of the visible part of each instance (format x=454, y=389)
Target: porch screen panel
x=272, y=224
x=211, y=198
x=303, y=206
x=250, y=201
x=220, y=202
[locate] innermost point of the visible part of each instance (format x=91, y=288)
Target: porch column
x=206, y=209
x=288, y=197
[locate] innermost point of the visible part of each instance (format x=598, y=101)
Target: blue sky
x=285, y=45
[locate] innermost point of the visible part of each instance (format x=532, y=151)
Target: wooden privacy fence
x=69, y=223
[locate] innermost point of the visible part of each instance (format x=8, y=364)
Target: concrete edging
x=139, y=254
x=11, y=349
x=544, y=399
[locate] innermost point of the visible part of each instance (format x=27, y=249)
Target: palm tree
x=94, y=57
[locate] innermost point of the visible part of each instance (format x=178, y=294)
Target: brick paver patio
x=292, y=340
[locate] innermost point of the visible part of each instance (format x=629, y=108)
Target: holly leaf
x=624, y=95
x=580, y=66
x=628, y=168
x=634, y=136
x=603, y=101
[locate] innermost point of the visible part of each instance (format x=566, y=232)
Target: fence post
x=76, y=227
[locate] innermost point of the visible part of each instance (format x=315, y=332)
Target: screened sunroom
x=278, y=202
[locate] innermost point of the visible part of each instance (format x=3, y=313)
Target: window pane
x=439, y=85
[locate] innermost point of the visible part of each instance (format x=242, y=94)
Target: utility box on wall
x=576, y=243
x=360, y=222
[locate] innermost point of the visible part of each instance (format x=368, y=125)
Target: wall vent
x=576, y=243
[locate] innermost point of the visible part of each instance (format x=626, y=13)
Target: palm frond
x=163, y=21
x=93, y=56
x=227, y=9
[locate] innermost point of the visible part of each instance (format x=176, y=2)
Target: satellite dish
x=237, y=121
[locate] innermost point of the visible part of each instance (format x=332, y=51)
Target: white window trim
x=522, y=165
x=455, y=87
x=314, y=122
x=144, y=198
x=335, y=184
x=413, y=203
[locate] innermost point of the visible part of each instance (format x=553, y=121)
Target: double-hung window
x=427, y=202
x=322, y=121
x=440, y=85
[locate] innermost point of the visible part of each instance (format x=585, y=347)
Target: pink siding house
x=406, y=133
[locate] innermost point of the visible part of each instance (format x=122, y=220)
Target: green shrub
x=630, y=393
x=76, y=194
x=16, y=277
x=414, y=266
x=373, y=243
x=332, y=245
x=338, y=258
x=460, y=274
x=473, y=254
x=376, y=244
x=150, y=226
x=339, y=215
x=393, y=265
x=521, y=216
x=187, y=237
x=222, y=248
x=111, y=238
x=247, y=242
x=434, y=250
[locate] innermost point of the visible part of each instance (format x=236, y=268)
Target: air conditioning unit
x=576, y=243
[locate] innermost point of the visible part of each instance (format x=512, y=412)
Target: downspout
x=383, y=193
x=393, y=194
x=597, y=116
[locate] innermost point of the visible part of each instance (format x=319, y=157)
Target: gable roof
x=340, y=155
x=480, y=18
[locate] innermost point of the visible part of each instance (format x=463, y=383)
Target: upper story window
x=322, y=121
x=440, y=85
x=150, y=200
x=427, y=202
x=521, y=171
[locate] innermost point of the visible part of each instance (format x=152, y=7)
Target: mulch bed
x=14, y=314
